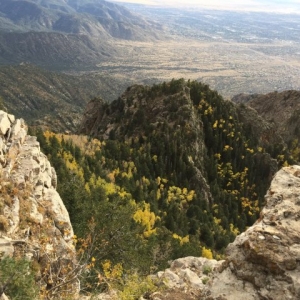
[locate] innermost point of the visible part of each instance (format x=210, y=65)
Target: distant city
x=289, y=6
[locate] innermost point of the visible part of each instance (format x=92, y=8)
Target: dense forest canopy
x=147, y=193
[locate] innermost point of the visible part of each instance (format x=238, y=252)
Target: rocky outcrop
x=94, y=112
x=280, y=110
x=265, y=131
x=262, y=262
x=34, y=222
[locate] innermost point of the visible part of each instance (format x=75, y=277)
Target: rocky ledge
x=34, y=222
x=262, y=263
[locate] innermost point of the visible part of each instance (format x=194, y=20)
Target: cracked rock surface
x=34, y=222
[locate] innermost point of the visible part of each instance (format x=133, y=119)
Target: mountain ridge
x=67, y=35
x=270, y=246
x=37, y=95
x=176, y=171
x=186, y=122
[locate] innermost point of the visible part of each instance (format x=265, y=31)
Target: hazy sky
x=265, y=5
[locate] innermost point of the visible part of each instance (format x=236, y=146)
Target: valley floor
x=228, y=67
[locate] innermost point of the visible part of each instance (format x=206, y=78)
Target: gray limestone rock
x=33, y=202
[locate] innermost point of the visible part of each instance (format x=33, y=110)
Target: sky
x=288, y=6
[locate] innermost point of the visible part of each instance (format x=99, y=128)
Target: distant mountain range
x=60, y=34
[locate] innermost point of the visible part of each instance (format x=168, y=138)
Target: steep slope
x=66, y=34
x=52, y=100
x=264, y=132
x=34, y=223
x=141, y=113
x=281, y=110
x=176, y=171
x=54, y=50
x=262, y=262
x=104, y=18
x=194, y=139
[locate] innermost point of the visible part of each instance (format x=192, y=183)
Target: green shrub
x=136, y=286
x=206, y=270
x=205, y=280
x=17, y=278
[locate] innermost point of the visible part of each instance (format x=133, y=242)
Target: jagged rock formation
x=262, y=263
x=266, y=132
x=281, y=110
x=34, y=222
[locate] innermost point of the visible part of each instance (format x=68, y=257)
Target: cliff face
x=262, y=262
x=281, y=110
x=263, y=130
x=34, y=222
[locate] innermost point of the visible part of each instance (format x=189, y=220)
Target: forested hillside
x=168, y=171
x=52, y=100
